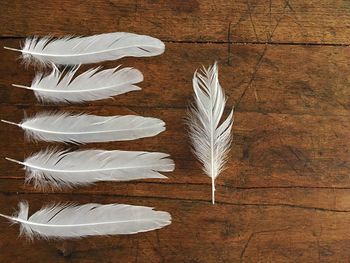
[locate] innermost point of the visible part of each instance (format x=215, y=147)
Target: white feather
x=210, y=139
x=62, y=221
x=59, y=169
x=88, y=86
x=92, y=49
x=83, y=128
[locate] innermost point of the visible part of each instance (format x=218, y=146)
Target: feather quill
x=59, y=169
x=211, y=138
x=88, y=86
x=63, y=221
x=91, y=49
x=83, y=128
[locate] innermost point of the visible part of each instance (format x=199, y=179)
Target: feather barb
x=210, y=137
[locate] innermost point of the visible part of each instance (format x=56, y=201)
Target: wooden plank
x=314, y=198
x=235, y=20
x=285, y=195
x=228, y=233
x=269, y=79
x=268, y=149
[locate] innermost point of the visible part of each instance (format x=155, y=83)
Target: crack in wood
x=280, y=205
x=222, y=185
x=170, y=107
x=225, y=42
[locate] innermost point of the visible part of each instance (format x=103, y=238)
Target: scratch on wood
x=270, y=15
x=334, y=199
x=256, y=68
x=255, y=71
x=251, y=20
x=318, y=249
x=243, y=17
x=159, y=248
x=255, y=234
x=219, y=253
x=133, y=111
x=287, y=162
x=229, y=45
x=137, y=251
x=287, y=4
x=65, y=248
x=136, y=5
x=317, y=234
x=156, y=246
x=303, y=158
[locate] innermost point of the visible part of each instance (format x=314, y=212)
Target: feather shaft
x=10, y=122
x=14, y=161
x=21, y=86
x=13, y=49
x=6, y=216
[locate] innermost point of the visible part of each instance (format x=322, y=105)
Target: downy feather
x=83, y=128
x=59, y=169
x=211, y=139
x=91, y=49
x=93, y=84
x=63, y=221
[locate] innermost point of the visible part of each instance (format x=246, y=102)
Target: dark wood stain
x=184, y=6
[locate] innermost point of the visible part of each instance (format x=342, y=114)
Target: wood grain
x=269, y=149
x=281, y=21
x=285, y=195
x=310, y=80
x=227, y=233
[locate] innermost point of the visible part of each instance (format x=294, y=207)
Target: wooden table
x=285, y=196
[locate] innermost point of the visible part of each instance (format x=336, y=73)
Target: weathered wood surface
x=286, y=21
x=285, y=196
x=311, y=80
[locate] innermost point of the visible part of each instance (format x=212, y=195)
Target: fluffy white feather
x=63, y=221
x=211, y=139
x=58, y=169
x=83, y=128
x=90, y=85
x=92, y=49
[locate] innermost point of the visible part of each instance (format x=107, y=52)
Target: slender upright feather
x=211, y=139
x=59, y=169
x=92, y=49
x=88, y=86
x=63, y=221
x=79, y=129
